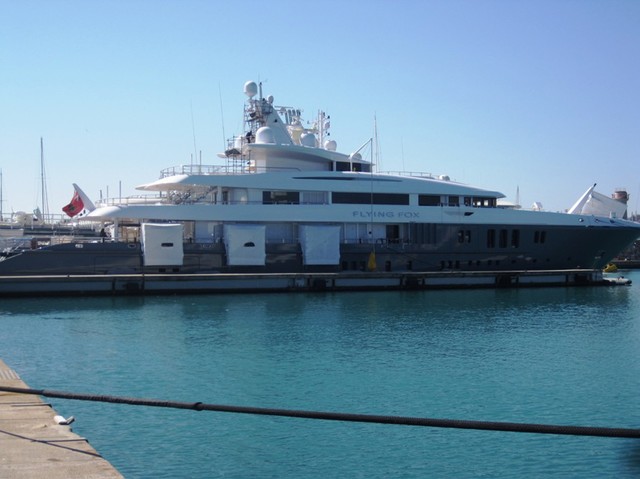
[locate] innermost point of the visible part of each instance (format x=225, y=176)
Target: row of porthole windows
x=451, y=264
x=478, y=263
x=502, y=238
x=539, y=237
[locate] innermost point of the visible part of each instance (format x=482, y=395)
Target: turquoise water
x=549, y=355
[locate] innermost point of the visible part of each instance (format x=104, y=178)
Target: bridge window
x=483, y=202
x=429, y=200
x=280, y=197
x=369, y=198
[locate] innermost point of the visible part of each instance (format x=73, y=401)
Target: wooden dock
x=33, y=444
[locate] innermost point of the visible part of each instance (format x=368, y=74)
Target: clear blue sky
x=540, y=95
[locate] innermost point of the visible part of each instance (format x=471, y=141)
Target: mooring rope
x=348, y=417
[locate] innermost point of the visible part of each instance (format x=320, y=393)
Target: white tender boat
x=617, y=280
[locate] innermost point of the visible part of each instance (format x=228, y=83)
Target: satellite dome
x=265, y=135
x=270, y=99
x=308, y=139
x=250, y=89
x=330, y=145
x=355, y=157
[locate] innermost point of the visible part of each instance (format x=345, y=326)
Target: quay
x=182, y=283
x=33, y=444
x=626, y=263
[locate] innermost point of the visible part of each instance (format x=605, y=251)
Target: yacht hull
x=463, y=248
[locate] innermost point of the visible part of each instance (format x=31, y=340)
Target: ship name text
x=386, y=214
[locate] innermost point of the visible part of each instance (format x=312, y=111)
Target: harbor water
x=565, y=356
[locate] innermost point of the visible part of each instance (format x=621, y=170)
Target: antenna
x=224, y=136
x=193, y=129
x=376, y=144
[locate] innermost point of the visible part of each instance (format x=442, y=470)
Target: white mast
x=43, y=181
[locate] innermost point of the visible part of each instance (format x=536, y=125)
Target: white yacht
x=284, y=200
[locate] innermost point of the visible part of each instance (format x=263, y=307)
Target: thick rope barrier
x=347, y=417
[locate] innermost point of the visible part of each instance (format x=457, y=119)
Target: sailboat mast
x=43, y=182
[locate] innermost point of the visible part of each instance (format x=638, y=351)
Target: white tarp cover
x=601, y=205
x=162, y=244
x=594, y=203
x=245, y=245
x=320, y=244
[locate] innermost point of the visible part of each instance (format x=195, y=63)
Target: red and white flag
x=75, y=207
x=78, y=203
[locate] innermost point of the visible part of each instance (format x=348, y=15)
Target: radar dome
x=330, y=145
x=270, y=99
x=308, y=139
x=355, y=156
x=265, y=135
x=250, y=89
x=21, y=217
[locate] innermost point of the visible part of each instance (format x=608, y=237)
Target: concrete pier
x=33, y=444
x=167, y=283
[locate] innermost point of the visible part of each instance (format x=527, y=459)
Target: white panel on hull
x=245, y=245
x=320, y=244
x=162, y=244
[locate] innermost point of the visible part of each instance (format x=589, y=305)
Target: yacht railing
x=132, y=200
x=199, y=170
x=413, y=174
x=40, y=221
x=203, y=241
x=249, y=168
x=234, y=169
